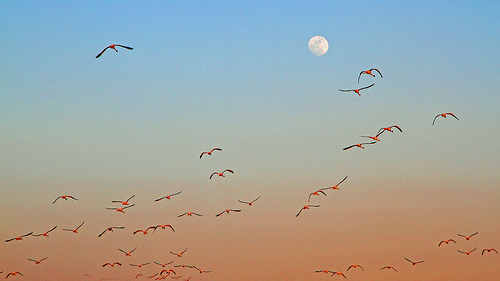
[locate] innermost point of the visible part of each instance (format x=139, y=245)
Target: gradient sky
x=239, y=76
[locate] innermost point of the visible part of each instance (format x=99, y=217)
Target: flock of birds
x=168, y=269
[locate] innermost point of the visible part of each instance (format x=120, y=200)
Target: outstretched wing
x=378, y=72
x=130, y=48
x=102, y=52
x=367, y=87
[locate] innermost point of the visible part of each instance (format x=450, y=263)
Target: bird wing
x=255, y=199
x=366, y=87
x=360, y=75
x=397, y=127
x=160, y=198
x=103, y=233
x=220, y=213
x=176, y=193
x=202, y=154
x=101, y=52
x=212, y=175
x=435, y=119
x=299, y=212
x=408, y=260
x=227, y=170
x=351, y=146
x=346, y=90
x=378, y=72
x=130, y=48
x=56, y=200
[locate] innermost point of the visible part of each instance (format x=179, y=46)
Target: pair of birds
x=369, y=72
x=375, y=138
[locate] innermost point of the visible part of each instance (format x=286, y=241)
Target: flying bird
x=120, y=209
x=210, y=152
x=168, y=196
x=114, y=48
x=112, y=264
x=338, y=273
x=13, y=273
x=139, y=265
x=110, y=229
x=167, y=272
x=324, y=271
x=227, y=211
x=202, y=271
x=444, y=115
x=144, y=232
x=65, y=197
x=381, y=130
x=388, y=267
x=249, y=203
x=19, y=237
x=127, y=253
x=189, y=214
x=305, y=208
x=469, y=252
x=221, y=174
x=38, y=261
x=163, y=265
x=163, y=226
x=360, y=145
x=335, y=186
x=46, y=234
x=354, y=266
x=180, y=254
x=414, y=262
x=123, y=202
x=447, y=241
x=184, y=266
x=75, y=230
x=369, y=72
x=357, y=90
x=315, y=193
x=488, y=250
x=467, y=237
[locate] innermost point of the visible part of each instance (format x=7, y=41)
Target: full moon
x=318, y=45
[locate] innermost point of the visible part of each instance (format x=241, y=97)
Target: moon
x=318, y=45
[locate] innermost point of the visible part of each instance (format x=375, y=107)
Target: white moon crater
x=318, y=45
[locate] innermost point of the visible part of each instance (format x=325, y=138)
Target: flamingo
x=414, y=262
x=210, y=152
x=336, y=186
x=315, y=193
x=163, y=265
x=369, y=72
x=305, y=208
x=202, y=271
x=338, y=273
x=139, y=265
x=13, y=273
x=180, y=254
x=123, y=202
x=354, y=266
x=46, y=234
x=469, y=252
x=444, y=115
x=167, y=271
x=183, y=266
x=112, y=264
x=144, y=232
x=127, y=253
x=163, y=226
x=19, y=237
x=360, y=145
x=168, y=196
x=189, y=214
x=110, y=229
x=75, y=230
x=121, y=209
x=388, y=267
x=488, y=250
x=375, y=138
x=447, y=241
x=65, y=197
x=381, y=130
x=357, y=90
x=227, y=212
x=114, y=48
x=324, y=271
x=467, y=237
x=38, y=261
x=221, y=174
x=249, y=203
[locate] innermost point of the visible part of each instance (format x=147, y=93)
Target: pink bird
x=488, y=250
x=389, y=129
x=201, y=271
x=444, y=115
x=121, y=209
x=139, y=265
x=227, y=212
x=414, y=262
x=111, y=264
x=221, y=174
x=46, y=234
x=354, y=266
x=369, y=72
x=19, y=237
x=123, y=202
x=75, y=230
x=360, y=145
x=315, y=193
x=467, y=237
x=13, y=273
x=357, y=90
x=163, y=265
x=127, y=253
x=305, y=208
x=447, y=241
x=335, y=186
x=114, y=48
x=180, y=254
x=324, y=271
x=388, y=267
x=210, y=152
x=469, y=252
x=249, y=203
x=168, y=196
x=338, y=273
x=38, y=261
x=65, y=197
x=110, y=229
x=189, y=214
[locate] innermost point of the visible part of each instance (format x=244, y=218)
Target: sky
x=240, y=77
